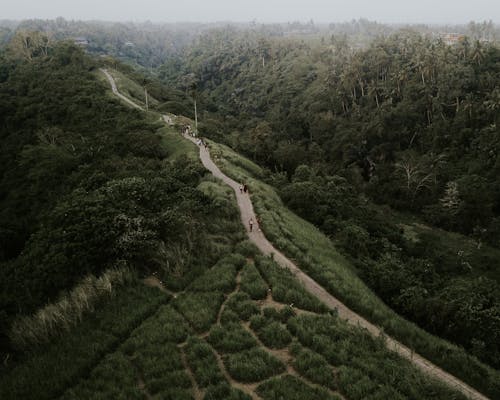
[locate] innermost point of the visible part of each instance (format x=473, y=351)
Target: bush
x=291, y=388
x=226, y=392
x=221, y=277
x=199, y=308
x=230, y=338
x=314, y=367
x=252, y=283
x=114, y=377
x=241, y=304
x=252, y=365
x=286, y=289
x=59, y=317
x=167, y=325
x=203, y=363
x=270, y=332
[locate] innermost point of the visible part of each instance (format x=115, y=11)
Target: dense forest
x=86, y=185
x=361, y=142
x=386, y=139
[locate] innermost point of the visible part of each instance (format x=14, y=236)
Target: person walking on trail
x=241, y=188
x=258, y=222
x=250, y=224
x=245, y=188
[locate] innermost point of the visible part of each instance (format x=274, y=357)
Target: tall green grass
x=58, y=318
x=46, y=372
x=316, y=255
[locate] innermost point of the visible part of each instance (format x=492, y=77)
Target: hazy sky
x=414, y=11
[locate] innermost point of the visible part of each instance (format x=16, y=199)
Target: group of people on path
x=201, y=142
x=243, y=188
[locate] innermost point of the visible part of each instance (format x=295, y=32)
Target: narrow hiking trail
x=257, y=237
x=112, y=82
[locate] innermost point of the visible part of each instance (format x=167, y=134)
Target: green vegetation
x=226, y=392
x=199, y=308
x=348, y=134
x=230, y=338
x=371, y=364
x=241, y=304
x=252, y=283
x=291, y=388
x=285, y=288
x=46, y=372
x=60, y=317
x=203, y=363
x=114, y=368
x=252, y=365
x=314, y=367
x=270, y=332
x=221, y=277
x=93, y=186
x=317, y=256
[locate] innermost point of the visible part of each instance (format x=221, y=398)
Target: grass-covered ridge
x=317, y=256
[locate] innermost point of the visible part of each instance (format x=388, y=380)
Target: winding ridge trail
x=116, y=92
x=258, y=238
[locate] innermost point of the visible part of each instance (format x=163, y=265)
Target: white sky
x=392, y=11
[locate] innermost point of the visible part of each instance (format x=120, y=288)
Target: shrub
x=247, y=248
x=270, y=332
x=282, y=315
x=291, y=388
x=199, y=308
x=252, y=283
x=59, y=317
x=167, y=325
x=315, y=368
x=221, y=277
x=242, y=305
x=203, y=363
x=226, y=392
x=286, y=289
x=228, y=316
x=47, y=372
x=230, y=338
x=253, y=365
x=114, y=377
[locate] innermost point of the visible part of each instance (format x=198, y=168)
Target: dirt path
x=117, y=93
x=257, y=237
x=197, y=393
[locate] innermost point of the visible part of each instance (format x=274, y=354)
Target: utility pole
x=195, y=118
x=146, y=94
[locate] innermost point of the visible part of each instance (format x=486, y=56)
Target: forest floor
x=257, y=237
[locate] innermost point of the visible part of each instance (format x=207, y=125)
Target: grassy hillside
x=218, y=322
x=219, y=339
x=318, y=257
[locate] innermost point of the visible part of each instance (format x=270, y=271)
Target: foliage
x=203, y=363
x=292, y=388
x=370, y=364
x=285, y=288
x=320, y=259
x=224, y=391
x=199, y=308
x=270, y=332
x=252, y=365
x=241, y=304
x=47, y=372
x=314, y=367
x=57, y=318
x=230, y=337
x=252, y=283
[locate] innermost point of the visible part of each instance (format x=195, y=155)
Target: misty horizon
x=425, y=12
